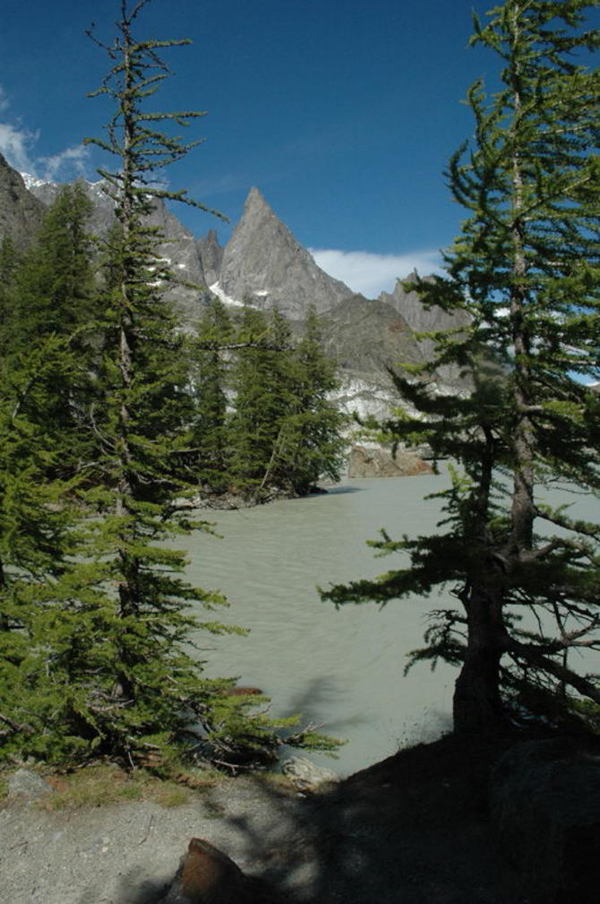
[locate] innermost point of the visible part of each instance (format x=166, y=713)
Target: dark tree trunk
x=477, y=705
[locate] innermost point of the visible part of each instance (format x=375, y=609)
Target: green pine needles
x=95, y=611
x=525, y=269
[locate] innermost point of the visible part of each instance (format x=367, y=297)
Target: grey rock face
x=264, y=264
x=423, y=320
x=20, y=212
x=211, y=256
x=365, y=336
x=179, y=248
x=418, y=317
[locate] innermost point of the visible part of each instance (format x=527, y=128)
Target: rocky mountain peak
x=256, y=199
x=264, y=264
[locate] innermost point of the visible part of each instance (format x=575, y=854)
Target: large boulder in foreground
x=207, y=876
x=545, y=805
x=365, y=461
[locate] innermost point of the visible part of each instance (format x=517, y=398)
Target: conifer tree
x=36, y=540
x=312, y=443
x=53, y=294
x=525, y=268
x=262, y=383
x=95, y=614
x=209, y=376
x=140, y=689
x=8, y=267
x=284, y=433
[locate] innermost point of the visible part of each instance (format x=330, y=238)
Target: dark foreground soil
x=413, y=829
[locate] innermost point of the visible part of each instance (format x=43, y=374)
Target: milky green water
x=341, y=669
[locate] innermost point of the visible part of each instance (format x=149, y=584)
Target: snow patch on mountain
x=218, y=291
x=32, y=182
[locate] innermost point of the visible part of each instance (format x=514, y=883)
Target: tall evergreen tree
x=95, y=618
x=209, y=376
x=312, y=444
x=52, y=293
x=526, y=269
x=263, y=395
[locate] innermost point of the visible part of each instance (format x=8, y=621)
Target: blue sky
x=343, y=113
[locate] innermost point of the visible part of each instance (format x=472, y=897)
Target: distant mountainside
x=180, y=247
x=264, y=265
x=20, y=212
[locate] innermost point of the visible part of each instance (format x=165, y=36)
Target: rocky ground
x=410, y=830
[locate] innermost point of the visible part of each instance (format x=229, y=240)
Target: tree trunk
x=477, y=706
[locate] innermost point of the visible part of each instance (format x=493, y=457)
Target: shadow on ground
x=410, y=830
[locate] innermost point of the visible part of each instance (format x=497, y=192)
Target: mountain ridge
x=264, y=265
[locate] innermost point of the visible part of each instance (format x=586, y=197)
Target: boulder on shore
x=545, y=806
x=305, y=775
x=376, y=461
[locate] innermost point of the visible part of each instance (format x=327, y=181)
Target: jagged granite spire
x=265, y=264
x=211, y=255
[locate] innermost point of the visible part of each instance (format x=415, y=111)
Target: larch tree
x=208, y=459
x=526, y=270
x=309, y=442
x=150, y=694
x=96, y=616
x=53, y=294
x=262, y=384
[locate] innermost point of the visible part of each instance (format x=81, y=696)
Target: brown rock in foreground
x=207, y=876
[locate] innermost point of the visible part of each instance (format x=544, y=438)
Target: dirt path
x=410, y=830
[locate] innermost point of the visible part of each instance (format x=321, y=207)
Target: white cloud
x=370, y=273
x=66, y=164
x=17, y=145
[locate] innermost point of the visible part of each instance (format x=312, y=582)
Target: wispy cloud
x=18, y=146
x=370, y=273
x=65, y=164
x=15, y=145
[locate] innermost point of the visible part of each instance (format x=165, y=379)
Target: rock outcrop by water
x=368, y=461
x=545, y=804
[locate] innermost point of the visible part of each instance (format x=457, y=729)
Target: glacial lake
x=342, y=669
